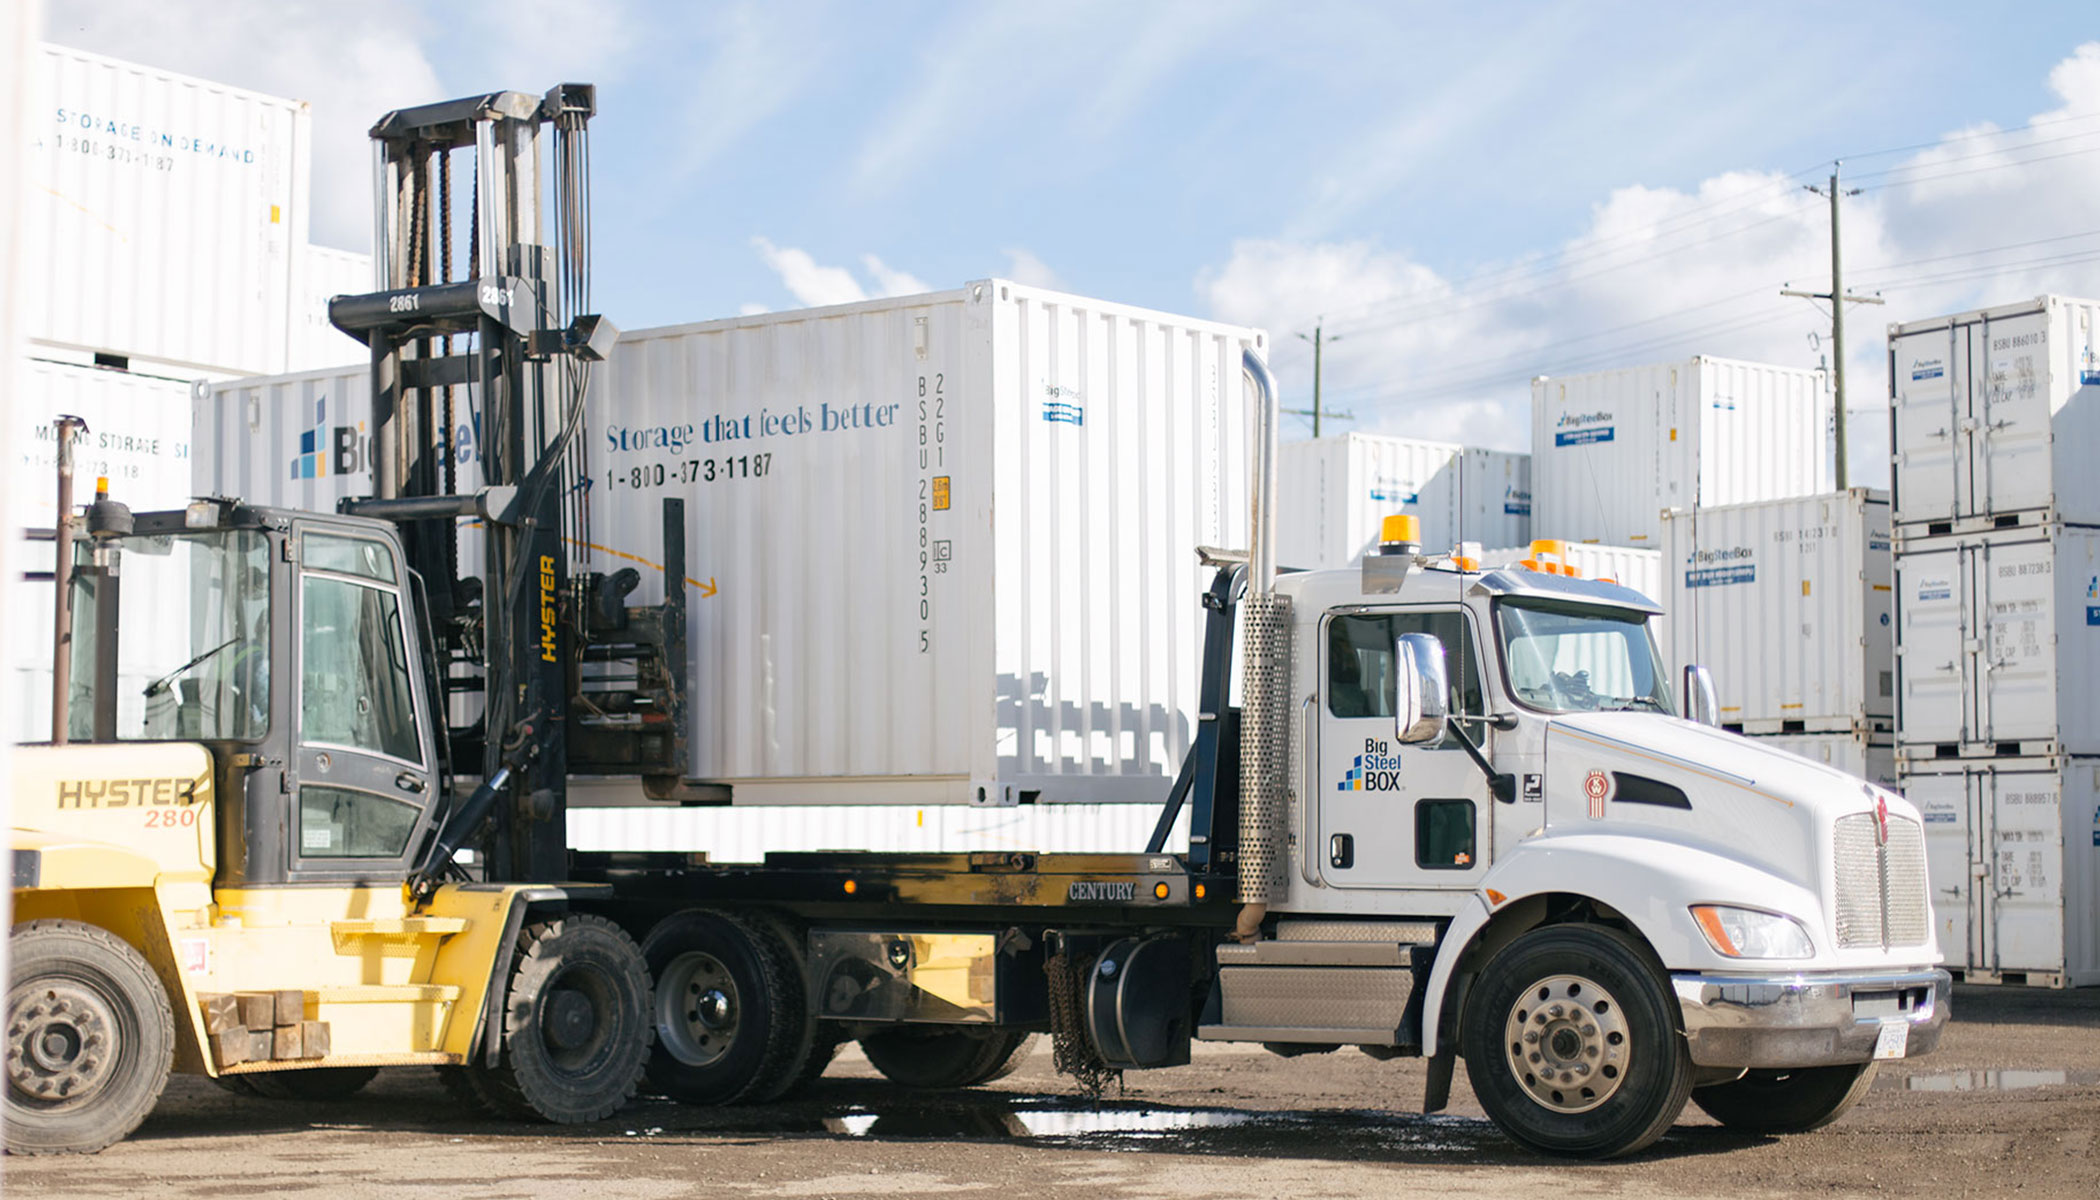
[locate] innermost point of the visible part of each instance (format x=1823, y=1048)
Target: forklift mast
x=480, y=366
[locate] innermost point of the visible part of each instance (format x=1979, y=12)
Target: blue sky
x=1471, y=194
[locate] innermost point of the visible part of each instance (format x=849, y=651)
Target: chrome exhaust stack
x=1265, y=749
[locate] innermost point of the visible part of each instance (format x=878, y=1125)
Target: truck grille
x=1881, y=900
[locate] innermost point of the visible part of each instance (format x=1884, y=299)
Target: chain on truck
x=1453, y=812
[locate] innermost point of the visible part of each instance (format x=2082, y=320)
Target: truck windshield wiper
x=161, y=685
x=1636, y=702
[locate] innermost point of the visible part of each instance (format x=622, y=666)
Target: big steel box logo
x=1375, y=770
x=326, y=450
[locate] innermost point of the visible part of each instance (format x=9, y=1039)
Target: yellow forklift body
x=123, y=837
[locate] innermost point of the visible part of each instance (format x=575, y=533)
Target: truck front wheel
x=1572, y=1046
x=732, y=1024
x=90, y=1039
x=1788, y=1101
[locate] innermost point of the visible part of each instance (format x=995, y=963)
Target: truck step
x=1301, y=1035
x=1323, y=997
x=1420, y=933
x=354, y=934
x=1315, y=954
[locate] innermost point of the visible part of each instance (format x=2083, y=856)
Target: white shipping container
x=1334, y=493
x=1788, y=604
x=1871, y=757
x=163, y=215
x=2012, y=848
x=1610, y=450
x=1998, y=644
x=325, y=273
x=967, y=595
x=747, y=833
x=1996, y=412
x=138, y=437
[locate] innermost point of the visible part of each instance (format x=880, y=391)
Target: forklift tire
x=946, y=1057
x=1787, y=1101
x=318, y=1084
x=575, y=1023
x=732, y=1022
x=90, y=1039
x=463, y=1085
x=1572, y=1044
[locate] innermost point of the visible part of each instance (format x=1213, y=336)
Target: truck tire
x=575, y=1024
x=731, y=1019
x=1572, y=1044
x=314, y=1084
x=921, y=1057
x=1787, y=1101
x=824, y=1047
x=90, y=1039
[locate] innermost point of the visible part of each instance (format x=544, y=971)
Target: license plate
x=1893, y=1039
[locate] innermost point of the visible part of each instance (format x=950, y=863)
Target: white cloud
x=751, y=308
x=816, y=285
x=890, y=282
x=1660, y=273
x=1022, y=266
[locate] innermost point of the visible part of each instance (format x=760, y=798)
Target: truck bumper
x=1810, y=1020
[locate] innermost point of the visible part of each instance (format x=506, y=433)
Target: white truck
x=1455, y=812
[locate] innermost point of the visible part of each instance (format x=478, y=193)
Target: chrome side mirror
x=1701, y=704
x=1420, y=689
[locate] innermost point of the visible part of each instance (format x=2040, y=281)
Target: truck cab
x=1607, y=908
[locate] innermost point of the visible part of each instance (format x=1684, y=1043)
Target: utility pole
x=1319, y=339
x=1838, y=299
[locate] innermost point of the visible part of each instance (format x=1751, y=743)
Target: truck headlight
x=1748, y=933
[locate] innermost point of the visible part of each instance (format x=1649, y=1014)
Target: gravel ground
x=2010, y=1104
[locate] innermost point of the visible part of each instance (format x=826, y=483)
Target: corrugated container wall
x=164, y=216
x=1870, y=756
x=1788, y=604
x=1996, y=414
x=1612, y=449
x=1334, y=493
x=326, y=273
x=953, y=536
x=986, y=588
x=1999, y=643
x=138, y=437
x=2012, y=849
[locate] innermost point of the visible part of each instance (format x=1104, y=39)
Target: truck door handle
x=1341, y=851
x=408, y=782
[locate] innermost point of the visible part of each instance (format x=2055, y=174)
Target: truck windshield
x=192, y=637
x=1569, y=658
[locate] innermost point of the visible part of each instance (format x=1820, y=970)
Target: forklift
x=308, y=820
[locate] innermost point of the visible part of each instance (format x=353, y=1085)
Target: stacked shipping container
x=1333, y=493
x=1994, y=414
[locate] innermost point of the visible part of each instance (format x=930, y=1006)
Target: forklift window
x=353, y=671
x=348, y=556
x=1360, y=661
x=340, y=823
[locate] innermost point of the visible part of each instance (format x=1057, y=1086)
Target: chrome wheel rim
x=1567, y=1043
x=698, y=1010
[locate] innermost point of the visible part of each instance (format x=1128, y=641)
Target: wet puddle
x=1110, y=1125
x=1986, y=1081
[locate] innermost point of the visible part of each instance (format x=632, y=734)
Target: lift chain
x=1072, y=1051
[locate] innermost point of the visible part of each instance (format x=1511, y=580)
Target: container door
x=2009, y=443
x=2026, y=870
x=1391, y=815
x=1951, y=858
x=1930, y=390
x=364, y=776
x=2016, y=659
x=1932, y=601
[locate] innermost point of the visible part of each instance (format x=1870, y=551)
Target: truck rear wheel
x=90, y=1039
x=575, y=1024
x=732, y=1020
x=1572, y=1046
x=946, y=1058
x=1787, y=1101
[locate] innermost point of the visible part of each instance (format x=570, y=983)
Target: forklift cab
x=285, y=643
